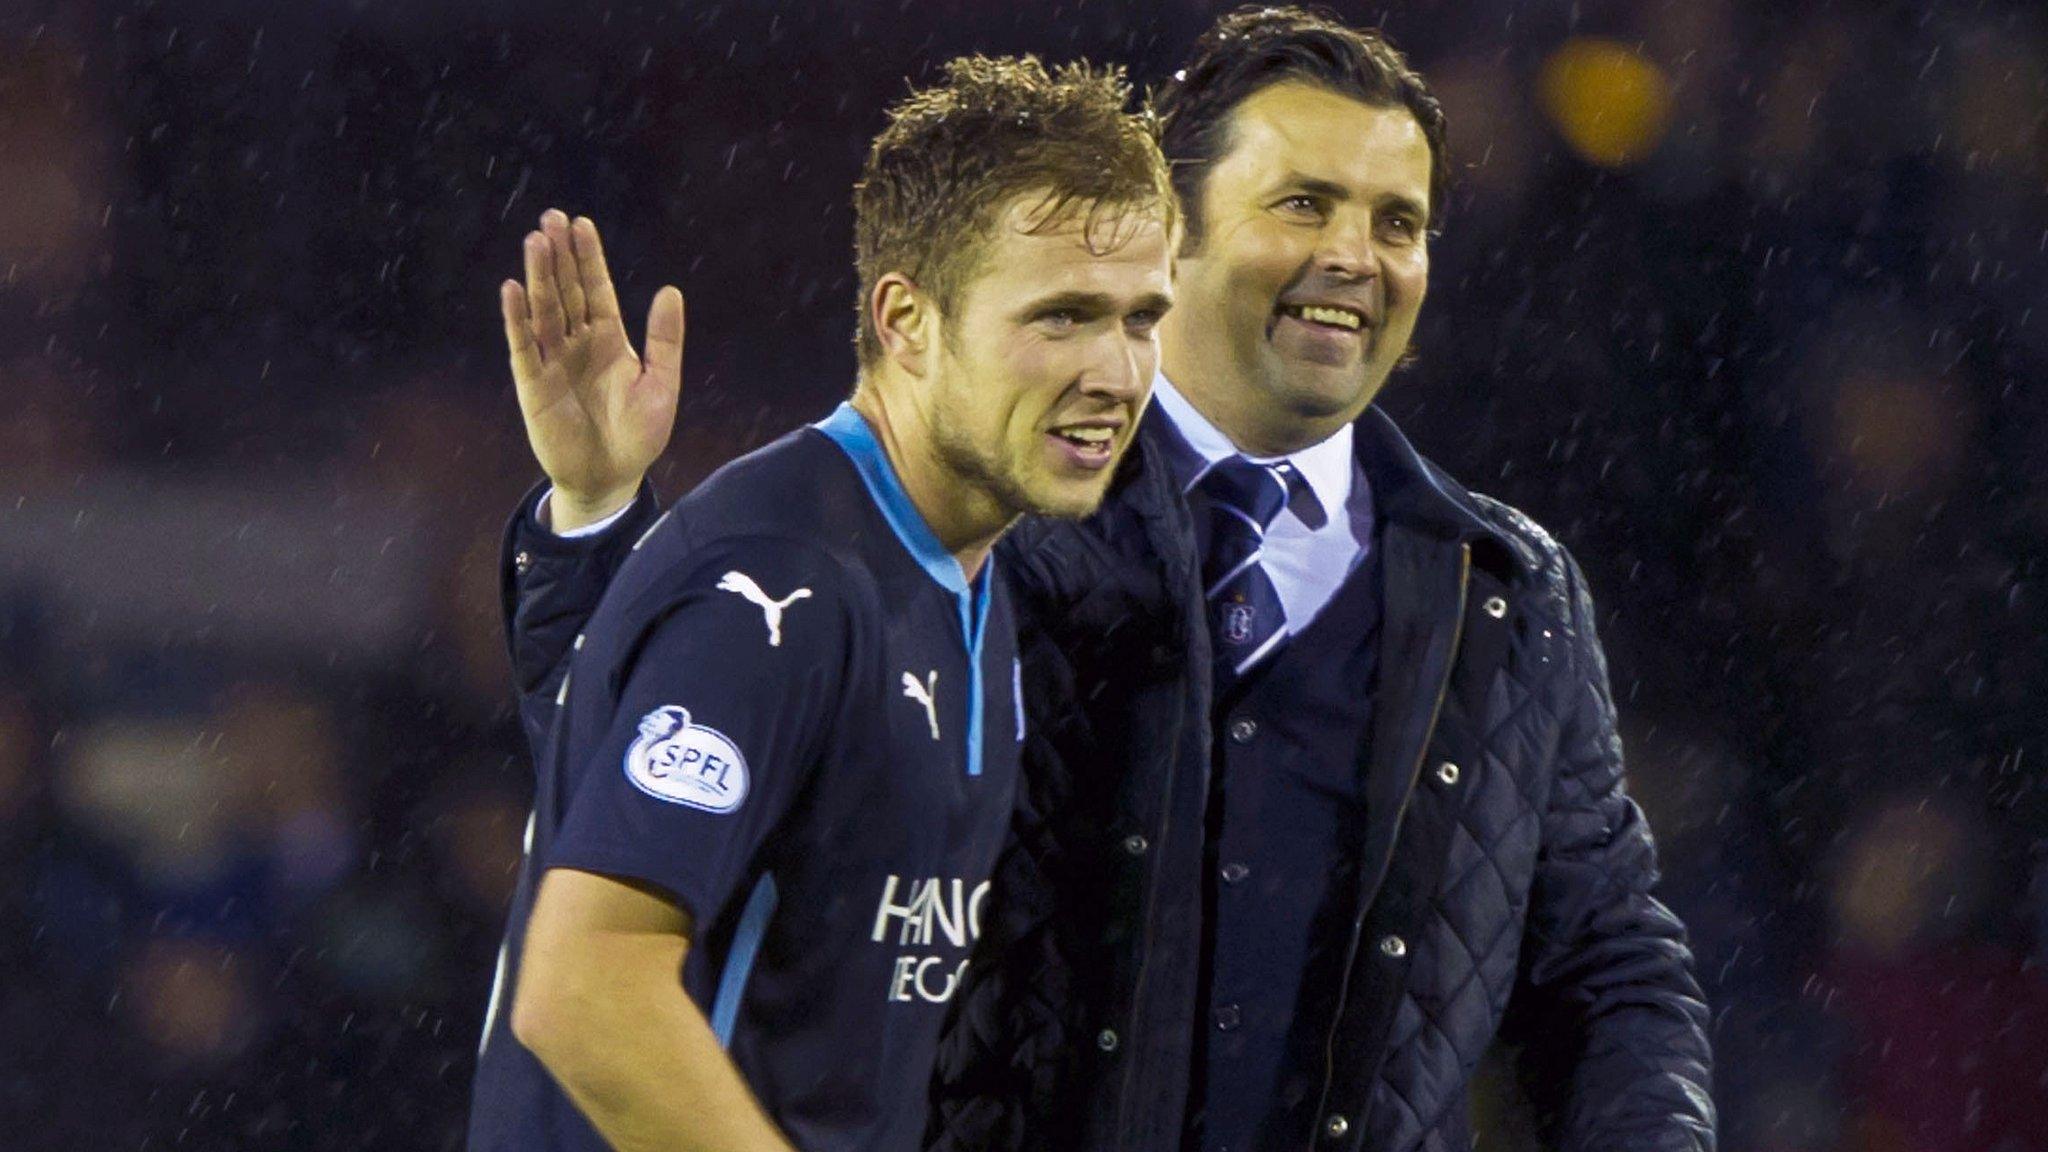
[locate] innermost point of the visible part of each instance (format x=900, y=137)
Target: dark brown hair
x=956, y=153
x=1254, y=48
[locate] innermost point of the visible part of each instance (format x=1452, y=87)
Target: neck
x=1237, y=407
x=966, y=520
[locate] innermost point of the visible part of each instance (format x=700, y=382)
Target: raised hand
x=597, y=413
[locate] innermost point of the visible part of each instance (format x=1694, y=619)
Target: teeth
x=1087, y=435
x=1340, y=317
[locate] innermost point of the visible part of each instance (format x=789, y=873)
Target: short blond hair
x=955, y=154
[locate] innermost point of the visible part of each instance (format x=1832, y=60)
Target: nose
x=1347, y=250
x=1121, y=368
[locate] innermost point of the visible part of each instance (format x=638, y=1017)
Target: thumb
x=665, y=336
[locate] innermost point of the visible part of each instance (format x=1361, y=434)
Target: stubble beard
x=997, y=478
x=978, y=470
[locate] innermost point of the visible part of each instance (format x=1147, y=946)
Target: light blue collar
x=849, y=429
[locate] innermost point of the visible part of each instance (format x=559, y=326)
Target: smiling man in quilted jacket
x=1322, y=790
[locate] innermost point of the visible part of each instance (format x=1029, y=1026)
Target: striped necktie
x=1246, y=620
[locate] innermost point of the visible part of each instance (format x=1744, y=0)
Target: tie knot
x=1255, y=491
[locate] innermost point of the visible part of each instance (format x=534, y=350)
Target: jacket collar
x=1407, y=489
x=1413, y=491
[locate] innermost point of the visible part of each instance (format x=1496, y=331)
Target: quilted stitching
x=1468, y=963
x=1544, y=786
x=1464, y=969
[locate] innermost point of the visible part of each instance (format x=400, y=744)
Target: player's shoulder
x=801, y=486
x=799, y=490
x=734, y=569
x=753, y=609
x=759, y=537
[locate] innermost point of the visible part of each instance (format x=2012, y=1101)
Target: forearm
x=615, y=1029
x=1621, y=1056
x=551, y=584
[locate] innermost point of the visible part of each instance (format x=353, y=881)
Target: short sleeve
x=724, y=697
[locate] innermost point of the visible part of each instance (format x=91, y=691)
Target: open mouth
x=1332, y=316
x=1089, y=444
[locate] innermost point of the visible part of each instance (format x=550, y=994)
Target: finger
x=665, y=337
x=567, y=278
x=518, y=334
x=598, y=295
x=549, y=325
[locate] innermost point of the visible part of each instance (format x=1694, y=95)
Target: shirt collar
x=1404, y=487
x=1327, y=466
x=847, y=428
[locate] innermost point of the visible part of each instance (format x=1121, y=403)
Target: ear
x=906, y=322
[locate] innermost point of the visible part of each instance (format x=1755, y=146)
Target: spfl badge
x=685, y=763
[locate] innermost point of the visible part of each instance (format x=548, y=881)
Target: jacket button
x=1232, y=873
x=1228, y=1018
x=1447, y=772
x=1135, y=844
x=1106, y=1040
x=522, y=563
x=1496, y=607
x=1394, y=946
x=1336, y=1126
x=1243, y=729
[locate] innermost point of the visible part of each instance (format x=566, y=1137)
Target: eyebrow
x=1317, y=186
x=1095, y=302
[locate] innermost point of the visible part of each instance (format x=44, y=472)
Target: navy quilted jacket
x=1506, y=885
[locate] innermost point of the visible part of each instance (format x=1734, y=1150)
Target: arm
x=549, y=586
x=687, y=737
x=600, y=1005
x=1614, y=1023
x=597, y=417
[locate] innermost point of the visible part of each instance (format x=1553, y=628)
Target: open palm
x=597, y=413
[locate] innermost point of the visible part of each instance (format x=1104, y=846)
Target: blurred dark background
x=1744, y=300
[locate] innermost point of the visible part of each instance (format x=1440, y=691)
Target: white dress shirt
x=1307, y=563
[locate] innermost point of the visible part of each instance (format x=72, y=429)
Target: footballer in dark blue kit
x=782, y=758
x=795, y=716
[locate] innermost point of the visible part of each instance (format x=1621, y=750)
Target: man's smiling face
x=1302, y=291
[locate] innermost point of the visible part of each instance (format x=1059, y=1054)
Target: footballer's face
x=1301, y=292
x=1047, y=358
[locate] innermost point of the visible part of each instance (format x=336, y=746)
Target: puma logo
x=924, y=694
x=744, y=585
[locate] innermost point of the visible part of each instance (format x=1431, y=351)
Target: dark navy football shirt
x=795, y=715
